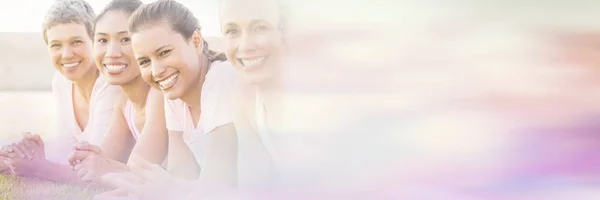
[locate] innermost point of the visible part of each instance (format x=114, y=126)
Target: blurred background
x=404, y=99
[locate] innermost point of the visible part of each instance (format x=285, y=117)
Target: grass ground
x=27, y=189
x=31, y=111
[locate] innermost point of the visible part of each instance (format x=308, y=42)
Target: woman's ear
x=198, y=41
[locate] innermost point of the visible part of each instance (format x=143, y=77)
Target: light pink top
x=129, y=114
x=216, y=103
x=102, y=101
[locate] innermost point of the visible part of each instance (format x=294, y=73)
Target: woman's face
x=113, y=52
x=253, y=40
x=70, y=49
x=167, y=60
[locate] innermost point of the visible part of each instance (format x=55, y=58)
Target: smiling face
x=167, y=60
x=253, y=40
x=70, y=49
x=113, y=52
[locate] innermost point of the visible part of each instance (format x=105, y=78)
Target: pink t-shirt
x=129, y=114
x=103, y=99
x=216, y=104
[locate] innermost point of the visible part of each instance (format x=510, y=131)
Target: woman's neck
x=270, y=95
x=85, y=85
x=192, y=97
x=137, y=92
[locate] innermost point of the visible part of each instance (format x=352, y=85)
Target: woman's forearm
x=182, y=164
x=119, y=166
x=58, y=173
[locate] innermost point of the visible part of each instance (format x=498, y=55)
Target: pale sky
x=27, y=16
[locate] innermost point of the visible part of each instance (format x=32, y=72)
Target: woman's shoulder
x=220, y=80
x=101, y=82
x=59, y=82
x=106, y=95
x=221, y=71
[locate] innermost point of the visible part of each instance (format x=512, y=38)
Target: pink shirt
x=102, y=101
x=129, y=114
x=216, y=103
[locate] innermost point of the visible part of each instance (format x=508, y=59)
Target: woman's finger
x=18, y=151
x=36, y=139
x=29, y=144
x=77, y=156
x=81, y=171
x=6, y=155
x=88, y=147
x=28, y=153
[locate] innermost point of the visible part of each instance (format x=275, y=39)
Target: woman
x=235, y=19
x=114, y=58
x=85, y=100
x=198, y=86
x=254, y=43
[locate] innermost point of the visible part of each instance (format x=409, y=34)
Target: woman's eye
x=165, y=52
x=231, y=32
x=126, y=39
x=143, y=62
x=261, y=28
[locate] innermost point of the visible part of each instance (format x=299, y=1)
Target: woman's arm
x=182, y=162
x=219, y=164
x=153, y=142
x=219, y=167
x=118, y=142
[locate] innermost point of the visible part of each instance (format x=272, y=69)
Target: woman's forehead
x=150, y=39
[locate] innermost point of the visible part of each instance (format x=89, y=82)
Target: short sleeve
x=106, y=97
x=174, y=114
x=217, y=97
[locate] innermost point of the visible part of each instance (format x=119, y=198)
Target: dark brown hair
x=125, y=6
x=179, y=17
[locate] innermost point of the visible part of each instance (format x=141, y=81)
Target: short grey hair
x=69, y=11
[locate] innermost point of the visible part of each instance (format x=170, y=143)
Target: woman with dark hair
x=140, y=109
x=198, y=85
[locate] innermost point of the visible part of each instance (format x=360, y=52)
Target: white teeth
x=253, y=62
x=168, y=81
x=115, y=68
x=70, y=65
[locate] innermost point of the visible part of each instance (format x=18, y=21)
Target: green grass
x=28, y=189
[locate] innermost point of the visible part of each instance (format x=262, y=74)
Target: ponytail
x=213, y=55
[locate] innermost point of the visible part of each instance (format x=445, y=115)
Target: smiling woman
x=84, y=99
x=197, y=84
x=115, y=59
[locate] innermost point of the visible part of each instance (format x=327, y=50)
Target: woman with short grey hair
x=84, y=99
